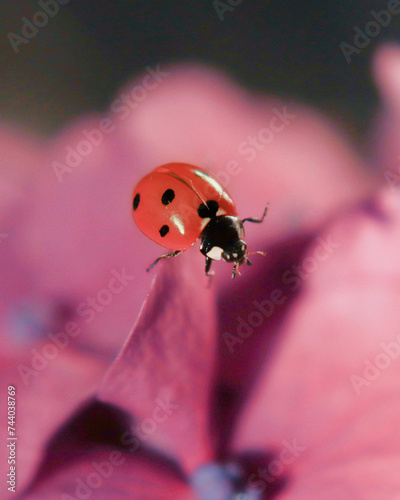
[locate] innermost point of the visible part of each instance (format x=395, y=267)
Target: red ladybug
x=178, y=203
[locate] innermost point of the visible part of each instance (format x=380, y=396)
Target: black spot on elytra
x=168, y=196
x=136, y=201
x=164, y=230
x=209, y=210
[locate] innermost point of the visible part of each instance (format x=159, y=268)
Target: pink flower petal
x=110, y=474
x=49, y=384
x=21, y=165
x=22, y=159
x=163, y=375
x=331, y=389
x=80, y=232
x=386, y=70
x=385, y=128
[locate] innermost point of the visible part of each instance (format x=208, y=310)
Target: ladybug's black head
x=221, y=239
x=235, y=253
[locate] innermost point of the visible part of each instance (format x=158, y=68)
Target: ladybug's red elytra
x=176, y=204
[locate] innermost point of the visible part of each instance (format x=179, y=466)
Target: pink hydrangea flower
x=280, y=384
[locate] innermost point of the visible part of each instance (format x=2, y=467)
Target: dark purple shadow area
x=372, y=207
x=94, y=425
x=237, y=371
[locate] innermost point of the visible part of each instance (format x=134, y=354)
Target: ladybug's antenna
x=198, y=194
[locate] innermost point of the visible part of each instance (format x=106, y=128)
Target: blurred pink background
x=280, y=384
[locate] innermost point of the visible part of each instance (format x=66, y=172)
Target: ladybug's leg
x=165, y=256
x=235, y=270
x=208, y=265
x=250, y=219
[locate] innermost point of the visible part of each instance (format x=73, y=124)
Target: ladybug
x=176, y=204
